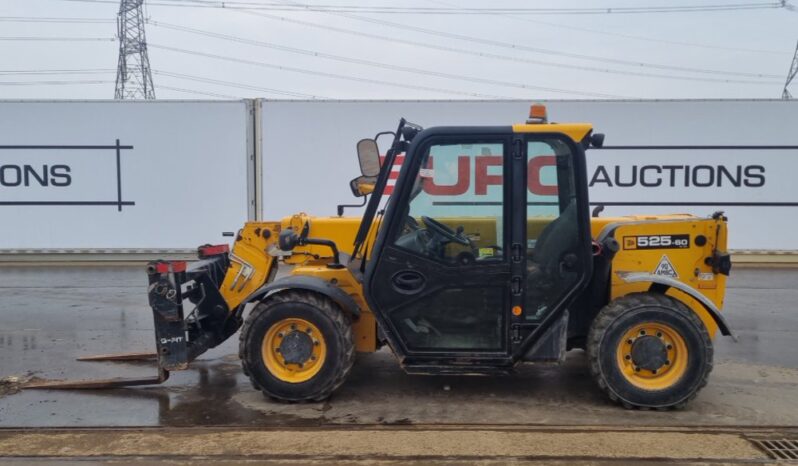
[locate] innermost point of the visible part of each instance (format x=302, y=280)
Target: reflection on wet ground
x=50, y=316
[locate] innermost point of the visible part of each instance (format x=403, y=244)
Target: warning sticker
x=666, y=268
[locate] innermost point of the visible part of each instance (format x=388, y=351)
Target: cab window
x=456, y=209
x=552, y=239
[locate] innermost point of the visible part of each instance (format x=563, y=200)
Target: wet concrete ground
x=49, y=316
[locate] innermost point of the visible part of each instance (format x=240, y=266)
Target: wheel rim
x=652, y=356
x=293, y=350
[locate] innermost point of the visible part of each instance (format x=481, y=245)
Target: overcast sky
x=649, y=55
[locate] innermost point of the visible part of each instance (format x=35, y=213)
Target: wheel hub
x=652, y=355
x=649, y=352
x=296, y=347
x=293, y=350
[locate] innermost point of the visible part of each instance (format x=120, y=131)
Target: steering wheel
x=411, y=223
x=444, y=231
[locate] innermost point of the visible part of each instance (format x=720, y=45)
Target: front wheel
x=297, y=346
x=648, y=350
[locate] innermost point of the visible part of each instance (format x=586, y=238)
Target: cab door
x=551, y=238
x=485, y=243
x=440, y=280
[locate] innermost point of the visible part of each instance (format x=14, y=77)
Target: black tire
x=622, y=315
x=317, y=309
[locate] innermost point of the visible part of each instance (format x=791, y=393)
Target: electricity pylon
x=785, y=94
x=133, y=75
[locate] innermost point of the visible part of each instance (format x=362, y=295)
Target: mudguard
x=302, y=282
x=661, y=283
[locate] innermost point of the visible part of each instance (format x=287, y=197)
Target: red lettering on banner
x=460, y=187
x=482, y=178
x=533, y=175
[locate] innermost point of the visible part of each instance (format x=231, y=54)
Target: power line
x=54, y=72
x=627, y=36
x=52, y=83
x=40, y=19
x=326, y=74
x=234, y=84
x=514, y=59
x=57, y=39
x=516, y=47
x=233, y=4
x=375, y=64
x=404, y=27
x=192, y=91
x=37, y=19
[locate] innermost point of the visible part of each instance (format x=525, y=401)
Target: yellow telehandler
x=477, y=255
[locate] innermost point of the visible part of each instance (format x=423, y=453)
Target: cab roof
x=575, y=131
x=538, y=122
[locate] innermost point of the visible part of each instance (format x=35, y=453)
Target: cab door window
x=456, y=209
x=552, y=227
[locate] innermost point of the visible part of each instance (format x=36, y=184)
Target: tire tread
x=615, y=309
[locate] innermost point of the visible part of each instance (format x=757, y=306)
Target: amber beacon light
x=537, y=114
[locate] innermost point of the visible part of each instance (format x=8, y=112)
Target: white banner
x=121, y=174
x=661, y=156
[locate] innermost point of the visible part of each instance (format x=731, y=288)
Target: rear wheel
x=297, y=346
x=649, y=350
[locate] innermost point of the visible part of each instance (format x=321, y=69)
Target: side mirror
x=368, y=154
x=363, y=185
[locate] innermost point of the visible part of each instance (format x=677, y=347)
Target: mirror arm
x=384, y=133
x=341, y=207
x=336, y=262
x=289, y=240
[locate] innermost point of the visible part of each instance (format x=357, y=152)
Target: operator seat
x=557, y=238
x=544, y=272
